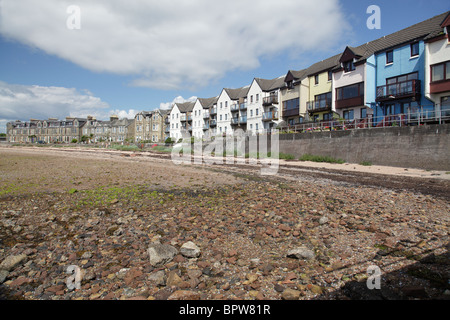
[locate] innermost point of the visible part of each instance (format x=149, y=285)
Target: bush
x=366, y=163
x=310, y=157
x=74, y=141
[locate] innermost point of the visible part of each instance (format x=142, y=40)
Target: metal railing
x=269, y=116
x=397, y=120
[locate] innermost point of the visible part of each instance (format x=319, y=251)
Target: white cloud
x=38, y=102
x=177, y=43
x=179, y=99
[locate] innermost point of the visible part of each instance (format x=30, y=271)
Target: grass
x=314, y=158
x=125, y=148
x=366, y=163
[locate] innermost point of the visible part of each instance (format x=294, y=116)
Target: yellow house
x=320, y=76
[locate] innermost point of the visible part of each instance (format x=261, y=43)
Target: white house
x=232, y=110
x=181, y=119
x=349, y=84
x=263, y=99
x=437, y=68
x=201, y=117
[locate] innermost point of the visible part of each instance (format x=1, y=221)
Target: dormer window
x=290, y=84
x=348, y=66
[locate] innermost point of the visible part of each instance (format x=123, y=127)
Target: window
x=257, y=112
x=251, y=99
x=256, y=126
x=440, y=72
x=363, y=113
x=349, y=66
x=251, y=113
x=221, y=105
x=226, y=117
x=291, y=104
x=330, y=75
x=351, y=91
x=349, y=115
x=414, y=49
x=226, y=104
x=389, y=57
x=316, y=79
x=257, y=97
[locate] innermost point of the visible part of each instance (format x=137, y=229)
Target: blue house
x=395, y=74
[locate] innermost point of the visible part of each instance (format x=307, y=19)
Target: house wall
x=197, y=120
x=343, y=79
x=255, y=108
x=435, y=52
x=223, y=113
x=175, y=123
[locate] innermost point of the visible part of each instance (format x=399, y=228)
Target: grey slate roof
x=236, y=94
x=208, y=102
x=270, y=85
x=186, y=106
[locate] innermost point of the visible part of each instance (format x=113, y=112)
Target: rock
x=301, y=253
x=190, y=250
x=323, y=220
x=159, y=278
x=173, y=279
x=184, y=295
x=290, y=294
x=161, y=254
x=12, y=262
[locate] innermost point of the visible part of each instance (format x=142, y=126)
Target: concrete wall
x=424, y=147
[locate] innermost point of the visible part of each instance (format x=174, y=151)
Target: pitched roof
x=323, y=65
x=208, y=102
x=270, y=85
x=186, y=106
x=236, y=94
x=418, y=31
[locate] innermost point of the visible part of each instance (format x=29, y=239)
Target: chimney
x=113, y=118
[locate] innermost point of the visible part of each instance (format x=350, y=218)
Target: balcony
x=243, y=120
x=213, y=123
x=319, y=106
x=206, y=126
x=234, y=121
x=351, y=102
x=206, y=115
x=213, y=111
x=440, y=86
x=270, y=116
x=234, y=107
x=167, y=121
x=400, y=90
x=167, y=130
x=268, y=101
x=291, y=112
x=243, y=106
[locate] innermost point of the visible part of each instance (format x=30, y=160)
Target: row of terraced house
x=400, y=79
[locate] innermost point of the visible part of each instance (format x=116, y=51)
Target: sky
x=62, y=58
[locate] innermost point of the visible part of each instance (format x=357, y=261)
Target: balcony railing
x=213, y=111
x=234, y=121
x=212, y=123
x=267, y=101
x=319, y=105
x=167, y=129
x=270, y=116
x=400, y=90
x=234, y=107
x=243, y=106
x=242, y=120
x=206, y=126
x=291, y=112
x=351, y=102
x=206, y=115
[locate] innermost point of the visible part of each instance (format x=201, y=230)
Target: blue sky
x=128, y=57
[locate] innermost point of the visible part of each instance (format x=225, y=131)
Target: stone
x=173, y=279
x=190, y=250
x=161, y=254
x=184, y=295
x=290, y=294
x=323, y=220
x=12, y=262
x=3, y=275
x=301, y=253
x=159, y=278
